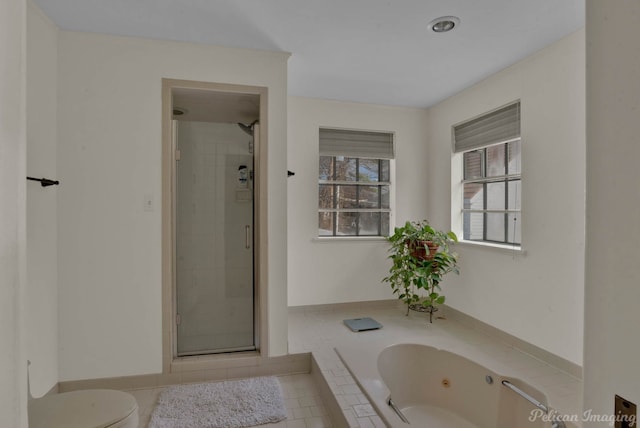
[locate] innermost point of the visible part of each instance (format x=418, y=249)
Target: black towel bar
x=44, y=182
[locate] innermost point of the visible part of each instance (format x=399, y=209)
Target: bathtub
x=427, y=387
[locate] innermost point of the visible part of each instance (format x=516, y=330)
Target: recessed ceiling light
x=444, y=24
x=179, y=111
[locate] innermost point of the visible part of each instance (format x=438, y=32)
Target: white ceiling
x=371, y=51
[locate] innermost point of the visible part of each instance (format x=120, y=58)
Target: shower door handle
x=247, y=236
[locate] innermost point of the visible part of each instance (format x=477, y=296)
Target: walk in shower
x=214, y=237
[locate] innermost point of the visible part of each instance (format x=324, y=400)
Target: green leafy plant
x=420, y=257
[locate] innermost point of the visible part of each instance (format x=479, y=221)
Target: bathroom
x=93, y=247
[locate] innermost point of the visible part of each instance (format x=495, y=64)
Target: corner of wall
x=41, y=215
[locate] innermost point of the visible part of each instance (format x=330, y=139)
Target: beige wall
x=332, y=271
x=613, y=205
x=538, y=295
x=13, y=375
x=109, y=158
x=42, y=223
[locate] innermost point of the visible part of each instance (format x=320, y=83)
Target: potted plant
x=420, y=256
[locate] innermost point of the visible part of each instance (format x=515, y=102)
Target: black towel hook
x=44, y=182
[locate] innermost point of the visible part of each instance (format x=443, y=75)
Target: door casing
x=169, y=349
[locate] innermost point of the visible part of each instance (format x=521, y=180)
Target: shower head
x=248, y=128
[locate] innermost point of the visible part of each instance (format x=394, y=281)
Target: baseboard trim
x=329, y=307
x=200, y=370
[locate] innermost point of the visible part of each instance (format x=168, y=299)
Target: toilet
x=91, y=408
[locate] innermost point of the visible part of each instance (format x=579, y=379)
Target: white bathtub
x=437, y=388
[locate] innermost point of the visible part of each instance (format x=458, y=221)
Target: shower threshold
x=217, y=351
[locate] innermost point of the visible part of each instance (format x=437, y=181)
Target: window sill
x=326, y=239
x=502, y=248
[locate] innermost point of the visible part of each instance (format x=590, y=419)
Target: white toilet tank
x=91, y=408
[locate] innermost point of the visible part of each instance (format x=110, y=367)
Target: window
x=354, y=182
x=492, y=184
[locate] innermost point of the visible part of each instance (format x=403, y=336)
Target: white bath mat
x=229, y=404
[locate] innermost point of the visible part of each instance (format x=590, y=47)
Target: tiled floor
x=319, y=330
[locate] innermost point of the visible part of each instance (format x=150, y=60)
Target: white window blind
x=356, y=144
x=499, y=126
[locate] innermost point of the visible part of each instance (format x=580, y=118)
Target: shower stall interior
x=214, y=244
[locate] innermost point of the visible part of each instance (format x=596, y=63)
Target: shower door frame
x=170, y=360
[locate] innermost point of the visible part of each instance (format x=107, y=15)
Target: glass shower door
x=214, y=239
